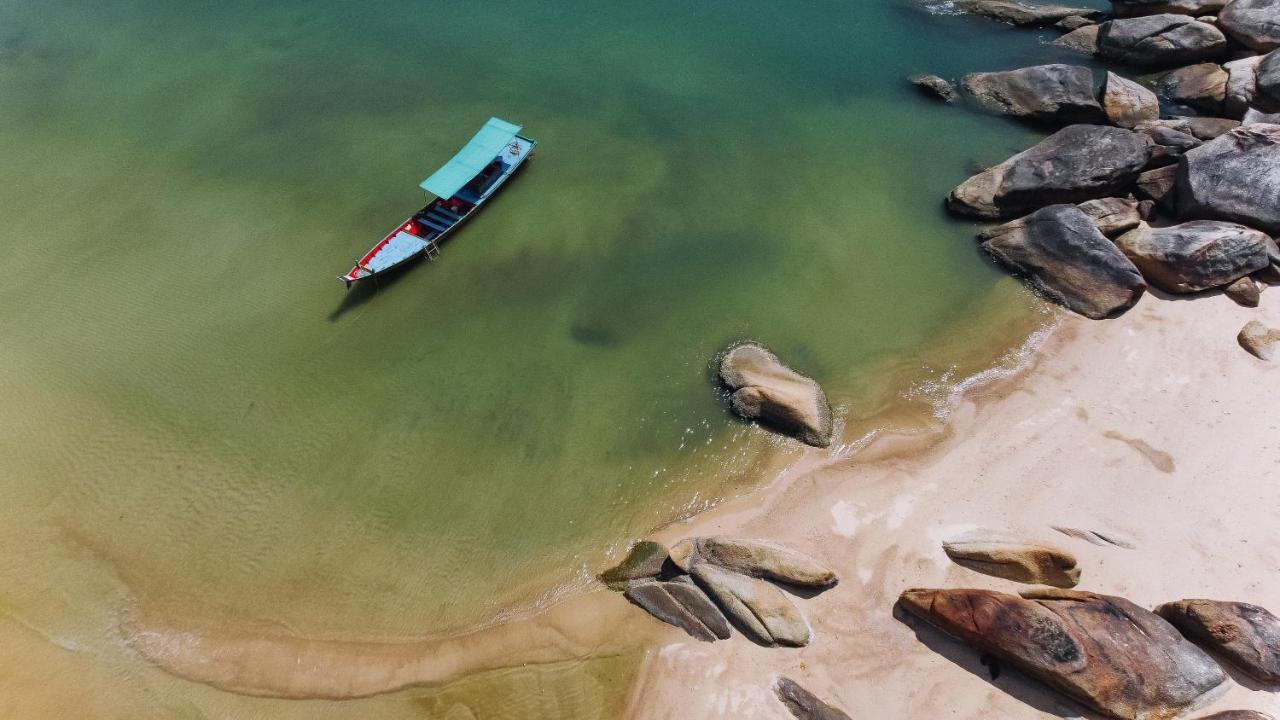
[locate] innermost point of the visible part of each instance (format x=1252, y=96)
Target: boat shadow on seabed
x=364, y=291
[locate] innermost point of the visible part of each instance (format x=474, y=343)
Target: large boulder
x=1246, y=635
x=1163, y=40
x=1201, y=128
x=1025, y=14
x=1013, y=559
x=1202, y=87
x=1245, y=292
x=760, y=608
x=1077, y=163
x=1081, y=40
x=1063, y=255
x=644, y=560
x=1242, y=85
x=686, y=592
x=1234, y=177
x=766, y=390
x=1106, y=652
x=1127, y=103
x=804, y=705
x=754, y=558
x=1047, y=93
x=1254, y=23
x=654, y=599
x=1261, y=341
x=1195, y=8
x=1112, y=216
x=1197, y=255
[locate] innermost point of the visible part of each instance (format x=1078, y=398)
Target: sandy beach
x=1153, y=430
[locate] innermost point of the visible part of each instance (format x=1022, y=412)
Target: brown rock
x=759, y=559
x=803, y=704
x=644, y=560
x=1261, y=341
x=1113, y=216
x=1082, y=40
x=1244, y=291
x=1197, y=255
x=1203, y=87
x=1127, y=103
x=1158, y=186
x=1024, y=562
x=935, y=87
x=1246, y=635
x=766, y=390
x=1105, y=652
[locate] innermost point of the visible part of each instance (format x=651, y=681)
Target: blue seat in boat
x=446, y=213
x=441, y=218
x=433, y=223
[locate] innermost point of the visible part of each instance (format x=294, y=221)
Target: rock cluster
x=703, y=585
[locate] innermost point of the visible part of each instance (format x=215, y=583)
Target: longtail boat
x=459, y=188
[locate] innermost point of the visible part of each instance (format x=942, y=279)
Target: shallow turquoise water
x=192, y=394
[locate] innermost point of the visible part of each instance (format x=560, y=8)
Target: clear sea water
x=196, y=413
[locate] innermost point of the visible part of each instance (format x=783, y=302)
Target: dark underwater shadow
x=366, y=290
x=1009, y=680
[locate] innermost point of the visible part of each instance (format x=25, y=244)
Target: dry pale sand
x=1155, y=429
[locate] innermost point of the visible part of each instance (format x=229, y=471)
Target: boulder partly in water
x=766, y=390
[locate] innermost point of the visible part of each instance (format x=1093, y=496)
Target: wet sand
x=1153, y=430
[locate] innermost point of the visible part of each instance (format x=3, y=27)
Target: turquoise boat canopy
x=471, y=159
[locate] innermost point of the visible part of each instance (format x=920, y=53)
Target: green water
x=189, y=394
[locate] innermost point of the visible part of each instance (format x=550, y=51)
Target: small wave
x=941, y=7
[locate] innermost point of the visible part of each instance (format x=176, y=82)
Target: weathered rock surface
x=1261, y=341
x=1245, y=292
x=803, y=704
x=1020, y=561
x=693, y=599
x=1112, y=216
x=1237, y=715
x=654, y=599
x=1254, y=117
x=1267, y=90
x=1254, y=23
x=644, y=560
x=1202, y=86
x=1127, y=103
x=934, y=86
x=1083, y=40
x=1163, y=40
x=757, y=559
x=1025, y=14
x=1063, y=255
x=1242, y=85
x=1158, y=186
x=1047, y=93
x=1202, y=128
x=766, y=390
x=1105, y=652
x=1197, y=255
x=761, y=609
x=1074, y=22
x=1195, y=8
x=1234, y=177
x=1246, y=635
x=1077, y=163
x=1168, y=145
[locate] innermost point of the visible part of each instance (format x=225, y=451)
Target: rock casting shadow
x=1010, y=680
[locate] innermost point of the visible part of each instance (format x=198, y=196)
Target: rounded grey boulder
x=1163, y=40
x=1254, y=23
x=766, y=390
x=1197, y=255
x=1234, y=177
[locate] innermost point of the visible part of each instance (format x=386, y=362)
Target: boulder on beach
x=1045, y=93
x=1158, y=186
x=761, y=609
x=756, y=559
x=1245, y=292
x=1163, y=40
x=1201, y=128
x=1266, y=96
x=1234, y=177
x=1202, y=86
x=1105, y=652
x=1012, y=559
x=1024, y=14
x=1127, y=103
x=644, y=560
x=1077, y=163
x=1242, y=85
x=766, y=390
x=1168, y=144
x=1194, y=8
x=1246, y=635
x=934, y=86
x=654, y=599
x=1197, y=255
x=1253, y=23
x=1063, y=255
x=699, y=604
x=1112, y=216
x=1082, y=40
x=1259, y=340
x=804, y=705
